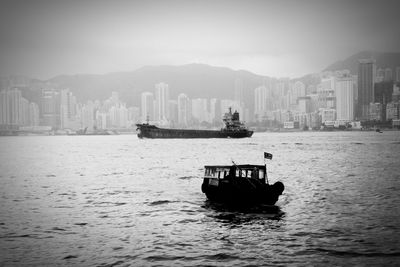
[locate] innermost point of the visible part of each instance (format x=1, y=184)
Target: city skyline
x=42, y=39
x=337, y=99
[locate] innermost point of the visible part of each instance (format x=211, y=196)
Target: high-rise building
x=239, y=91
x=345, y=98
x=50, y=108
x=328, y=115
x=5, y=116
x=397, y=74
x=298, y=90
x=133, y=115
x=260, y=100
x=33, y=114
x=147, y=106
x=328, y=83
x=199, y=110
x=162, y=101
x=304, y=104
x=67, y=108
x=24, y=112
x=184, y=110
x=380, y=75
x=87, y=116
x=173, y=111
x=388, y=75
x=366, y=80
x=14, y=99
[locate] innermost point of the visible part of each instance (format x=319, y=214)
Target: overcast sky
x=278, y=38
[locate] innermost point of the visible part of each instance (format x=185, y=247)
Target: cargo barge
x=234, y=128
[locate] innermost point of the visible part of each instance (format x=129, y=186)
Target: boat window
x=238, y=173
x=261, y=174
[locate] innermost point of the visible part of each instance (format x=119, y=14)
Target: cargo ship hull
x=151, y=131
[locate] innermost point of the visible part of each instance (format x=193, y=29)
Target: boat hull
x=242, y=191
x=151, y=131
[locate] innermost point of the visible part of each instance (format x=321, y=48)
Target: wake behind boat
x=234, y=128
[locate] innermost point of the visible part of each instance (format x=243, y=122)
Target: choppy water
x=118, y=200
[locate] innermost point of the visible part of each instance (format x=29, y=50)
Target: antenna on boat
x=267, y=156
x=236, y=165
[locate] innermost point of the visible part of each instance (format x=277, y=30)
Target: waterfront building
x=14, y=100
x=199, y=110
x=33, y=114
x=344, y=89
x=396, y=92
x=298, y=90
x=380, y=75
x=5, y=116
x=388, y=75
x=366, y=80
x=147, y=106
x=101, y=119
x=393, y=110
x=397, y=74
x=87, y=116
x=184, y=110
x=383, y=93
x=67, y=108
x=215, y=111
x=173, y=111
x=50, y=108
x=260, y=100
x=328, y=115
x=162, y=101
x=375, y=112
x=24, y=112
x=239, y=91
x=304, y=103
x=328, y=83
x=133, y=116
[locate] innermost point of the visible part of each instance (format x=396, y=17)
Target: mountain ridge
x=194, y=79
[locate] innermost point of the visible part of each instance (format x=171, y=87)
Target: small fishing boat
x=240, y=184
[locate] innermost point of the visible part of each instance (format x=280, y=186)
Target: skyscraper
x=260, y=100
x=147, y=106
x=50, y=108
x=184, y=109
x=345, y=98
x=14, y=98
x=366, y=80
x=4, y=108
x=199, y=110
x=388, y=75
x=162, y=101
x=397, y=74
x=239, y=92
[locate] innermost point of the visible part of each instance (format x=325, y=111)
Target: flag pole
x=266, y=173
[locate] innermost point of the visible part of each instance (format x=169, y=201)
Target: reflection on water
x=241, y=215
x=118, y=200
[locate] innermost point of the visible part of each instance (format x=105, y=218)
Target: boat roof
x=241, y=166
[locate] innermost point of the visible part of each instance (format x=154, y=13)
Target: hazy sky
x=275, y=38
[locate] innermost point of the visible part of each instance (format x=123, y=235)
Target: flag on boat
x=267, y=155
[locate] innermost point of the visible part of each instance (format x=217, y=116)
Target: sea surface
x=121, y=201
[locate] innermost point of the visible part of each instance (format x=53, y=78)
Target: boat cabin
x=235, y=172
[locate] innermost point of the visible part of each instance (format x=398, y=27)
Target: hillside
x=195, y=80
x=383, y=60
